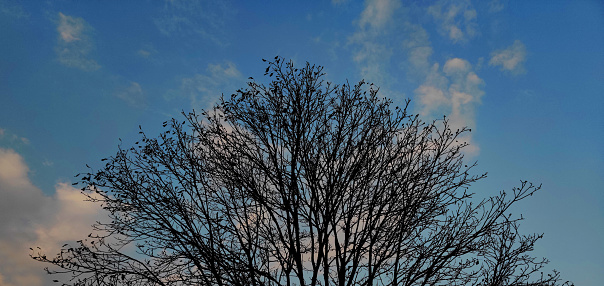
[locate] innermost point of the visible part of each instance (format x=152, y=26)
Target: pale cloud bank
x=456, y=19
x=31, y=219
x=74, y=43
x=510, y=59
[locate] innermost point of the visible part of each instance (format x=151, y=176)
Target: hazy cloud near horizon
x=31, y=219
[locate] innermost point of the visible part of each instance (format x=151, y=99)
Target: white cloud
x=74, y=43
x=203, y=90
x=431, y=98
x=13, y=171
x=30, y=218
x=456, y=19
x=71, y=220
x=456, y=66
x=453, y=89
x=510, y=59
x=132, y=94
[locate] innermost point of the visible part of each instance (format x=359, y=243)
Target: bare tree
x=300, y=182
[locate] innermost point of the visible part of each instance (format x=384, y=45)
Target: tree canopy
x=300, y=182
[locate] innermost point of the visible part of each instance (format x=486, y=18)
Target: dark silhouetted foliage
x=300, y=182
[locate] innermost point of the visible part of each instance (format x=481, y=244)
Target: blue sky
x=526, y=76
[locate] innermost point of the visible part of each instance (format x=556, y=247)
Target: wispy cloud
x=10, y=9
x=203, y=90
x=12, y=138
x=22, y=139
x=419, y=49
x=372, y=51
x=338, y=2
x=30, y=218
x=146, y=51
x=456, y=19
x=74, y=44
x=496, y=6
x=132, y=94
x=510, y=59
x=185, y=18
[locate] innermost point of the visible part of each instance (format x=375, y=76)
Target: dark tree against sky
x=301, y=182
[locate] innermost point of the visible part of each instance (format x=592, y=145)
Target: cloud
x=133, y=94
x=12, y=10
x=74, y=43
x=377, y=13
x=12, y=138
x=338, y=2
x=419, y=48
x=453, y=89
x=371, y=41
x=22, y=139
x=146, y=51
x=456, y=19
x=30, y=218
x=510, y=59
x=496, y=6
x=203, y=90
x=185, y=18
x=71, y=219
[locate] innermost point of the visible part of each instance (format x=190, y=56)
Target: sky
x=526, y=76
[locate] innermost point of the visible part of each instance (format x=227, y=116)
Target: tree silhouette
x=300, y=182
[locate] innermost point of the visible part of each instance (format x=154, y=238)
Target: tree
x=300, y=182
